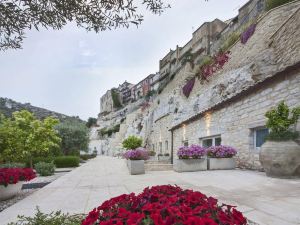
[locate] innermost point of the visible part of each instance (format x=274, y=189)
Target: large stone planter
x=10, y=191
x=221, y=163
x=280, y=158
x=190, y=165
x=136, y=167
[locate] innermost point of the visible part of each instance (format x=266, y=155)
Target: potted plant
x=12, y=179
x=280, y=154
x=221, y=158
x=136, y=160
x=190, y=159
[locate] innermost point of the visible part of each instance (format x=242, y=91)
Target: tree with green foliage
x=24, y=137
x=91, y=122
x=280, y=119
x=132, y=142
x=19, y=16
x=270, y=4
x=75, y=137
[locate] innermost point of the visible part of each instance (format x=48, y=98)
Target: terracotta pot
x=280, y=158
x=10, y=190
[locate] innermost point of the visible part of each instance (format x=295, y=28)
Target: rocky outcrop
x=8, y=106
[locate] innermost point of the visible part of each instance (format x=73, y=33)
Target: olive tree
x=19, y=16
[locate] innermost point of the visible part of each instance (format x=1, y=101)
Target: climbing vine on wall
x=116, y=99
x=217, y=63
x=245, y=36
x=188, y=87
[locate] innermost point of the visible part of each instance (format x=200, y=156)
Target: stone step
x=158, y=167
x=158, y=162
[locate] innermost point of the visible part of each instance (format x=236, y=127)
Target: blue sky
x=68, y=70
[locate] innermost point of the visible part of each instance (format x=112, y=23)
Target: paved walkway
x=263, y=200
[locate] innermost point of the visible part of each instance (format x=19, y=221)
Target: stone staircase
x=116, y=142
x=158, y=165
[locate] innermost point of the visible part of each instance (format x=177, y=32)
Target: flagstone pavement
x=262, y=199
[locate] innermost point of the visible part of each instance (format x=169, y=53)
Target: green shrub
x=88, y=156
x=232, y=38
x=132, y=142
x=36, y=160
x=45, y=169
x=280, y=119
x=270, y=4
x=116, y=99
x=116, y=128
x=66, y=161
x=54, y=218
x=13, y=165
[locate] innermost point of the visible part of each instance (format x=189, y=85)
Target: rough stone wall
x=273, y=47
x=235, y=122
x=106, y=102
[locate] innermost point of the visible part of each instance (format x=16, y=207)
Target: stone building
x=228, y=108
x=125, y=92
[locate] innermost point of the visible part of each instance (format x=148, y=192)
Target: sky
x=67, y=71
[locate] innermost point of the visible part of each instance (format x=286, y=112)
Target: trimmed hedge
x=88, y=156
x=66, y=161
x=59, y=161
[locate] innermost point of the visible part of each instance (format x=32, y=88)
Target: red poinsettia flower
x=164, y=205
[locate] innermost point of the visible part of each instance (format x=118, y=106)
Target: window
x=211, y=141
x=153, y=147
x=185, y=143
x=260, y=135
x=166, y=145
x=160, y=147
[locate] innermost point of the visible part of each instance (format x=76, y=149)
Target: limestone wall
x=235, y=93
x=236, y=122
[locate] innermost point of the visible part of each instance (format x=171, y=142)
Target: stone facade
x=106, y=103
x=230, y=106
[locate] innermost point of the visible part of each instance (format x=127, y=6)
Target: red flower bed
x=14, y=175
x=164, y=205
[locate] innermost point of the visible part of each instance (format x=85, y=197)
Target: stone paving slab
x=262, y=199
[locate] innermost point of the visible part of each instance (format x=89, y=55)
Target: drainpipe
x=172, y=146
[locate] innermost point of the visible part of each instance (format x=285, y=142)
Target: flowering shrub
x=188, y=87
x=193, y=151
x=247, y=33
x=164, y=205
x=14, y=175
x=218, y=62
x=136, y=154
x=221, y=151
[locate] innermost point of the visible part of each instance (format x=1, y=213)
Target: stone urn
x=10, y=190
x=280, y=159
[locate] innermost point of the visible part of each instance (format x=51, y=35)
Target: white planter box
x=189, y=165
x=221, y=163
x=10, y=191
x=136, y=167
